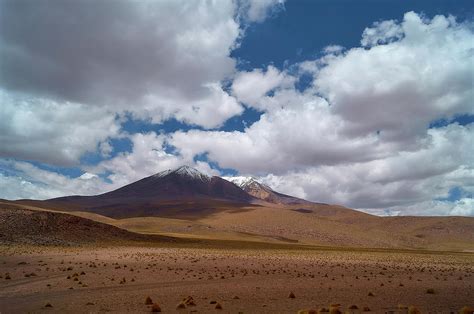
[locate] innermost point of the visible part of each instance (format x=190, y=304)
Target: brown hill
x=25, y=226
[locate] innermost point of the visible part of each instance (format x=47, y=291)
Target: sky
x=366, y=104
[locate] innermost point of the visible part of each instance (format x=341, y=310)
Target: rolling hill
x=264, y=192
x=185, y=203
x=20, y=225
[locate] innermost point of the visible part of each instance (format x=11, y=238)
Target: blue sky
x=367, y=104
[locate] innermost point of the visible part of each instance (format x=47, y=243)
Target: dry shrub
x=189, y=301
x=467, y=310
x=155, y=308
x=148, y=301
x=335, y=309
x=413, y=310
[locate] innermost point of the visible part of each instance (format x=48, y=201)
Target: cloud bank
x=363, y=133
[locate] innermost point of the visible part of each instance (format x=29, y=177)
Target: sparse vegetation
x=155, y=308
x=413, y=310
x=467, y=310
x=295, y=268
x=148, y=300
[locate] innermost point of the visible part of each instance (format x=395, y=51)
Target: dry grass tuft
x=189, y=301
x=467, y=310
x=148, y=300
x=413, y=310
x=155, y=308
x=335, y=309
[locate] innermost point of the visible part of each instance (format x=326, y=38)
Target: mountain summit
x=162, y=193
x=181, y=192
x=180, y=183
x=186, y=172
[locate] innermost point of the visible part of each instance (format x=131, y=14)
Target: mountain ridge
x=184, y=202
x=262, y=191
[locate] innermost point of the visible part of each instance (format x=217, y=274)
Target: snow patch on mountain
x=240, y=181
x=246, y=182
x=185, y=171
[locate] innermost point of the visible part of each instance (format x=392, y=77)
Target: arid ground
x=235, y=262
x=250, y=279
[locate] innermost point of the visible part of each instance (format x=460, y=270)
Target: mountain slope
x=181, y=182
x=264, y=192
x=183, y=192
x=22, y=225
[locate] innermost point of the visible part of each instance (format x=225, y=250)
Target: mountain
x=183, y=182
x=264, y=192
x=182, y=192
x=186, y=203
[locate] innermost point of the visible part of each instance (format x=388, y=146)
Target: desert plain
x=235, y=277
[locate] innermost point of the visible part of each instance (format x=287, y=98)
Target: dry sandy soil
x=247, y=262
x=249, y=279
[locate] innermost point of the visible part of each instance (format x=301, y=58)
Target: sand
x=247, y=280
